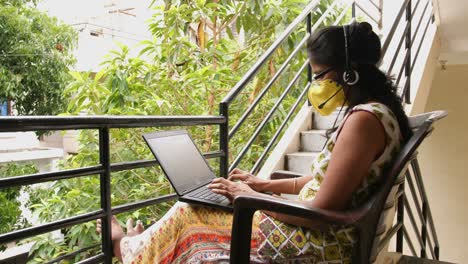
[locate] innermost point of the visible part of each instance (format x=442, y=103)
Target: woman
x=342, y=176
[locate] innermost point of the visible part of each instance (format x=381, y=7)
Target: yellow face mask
x=326, y=96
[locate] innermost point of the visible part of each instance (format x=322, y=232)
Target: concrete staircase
x=311, y=143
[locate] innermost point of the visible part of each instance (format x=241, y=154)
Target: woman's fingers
x=223, y=192
x=217, y=186
x=241, y=177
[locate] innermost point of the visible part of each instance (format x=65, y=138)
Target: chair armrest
x=246, y=205
x=295, y=208
x=282, y=174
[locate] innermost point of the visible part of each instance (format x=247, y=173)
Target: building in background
x=101, y=24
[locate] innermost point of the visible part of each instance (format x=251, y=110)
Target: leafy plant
x=199, y=52
x=10, y=210
x=35, y=56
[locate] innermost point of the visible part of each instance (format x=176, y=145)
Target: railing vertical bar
x=400, y=219
x=224, y=140
x=353, y=9
x=408, y=60
x=104, y=156
x=414, y=196
x=413, y=223
x=309, y=30
x=431, y=247
x=380, y=13
x=424, y=229
x=408, y=240
x=422, y=190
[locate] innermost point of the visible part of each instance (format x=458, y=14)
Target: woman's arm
x=291, y=186
x=360, y=142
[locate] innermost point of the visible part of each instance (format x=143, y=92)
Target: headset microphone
x=329, y=98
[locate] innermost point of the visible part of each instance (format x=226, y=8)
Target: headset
x=350, y=76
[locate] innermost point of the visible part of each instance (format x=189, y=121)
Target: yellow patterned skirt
x=197, y=234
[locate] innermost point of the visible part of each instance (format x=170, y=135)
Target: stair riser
x=326, y=122
x=300, y=163
x=312, y=142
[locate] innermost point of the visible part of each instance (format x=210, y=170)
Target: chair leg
x=241, y=236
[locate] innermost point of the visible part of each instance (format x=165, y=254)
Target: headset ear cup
x=350, y=77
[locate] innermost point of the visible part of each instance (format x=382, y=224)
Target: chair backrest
x=380, y=208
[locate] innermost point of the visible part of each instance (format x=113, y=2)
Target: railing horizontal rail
x=390, y=233
x=96, y=259
x=259, y=161
x=420, y=44
x=325, y=14
x=138, y=164
x=268, y=116
x=94, y=170
x=140, y=204
x=261, y=61
x=366, y=13
x=343, y=13
x=375, y=5
x=48, y=227
x=36, y=123
x=397, y=52
x=267, y=87
x=72, y=254
x=49, y=176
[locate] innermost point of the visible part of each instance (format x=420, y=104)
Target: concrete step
x=300, y=162
x=313, y=140
x=397, y=258
x=326, y=122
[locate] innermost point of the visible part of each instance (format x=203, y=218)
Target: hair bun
x=365, y=27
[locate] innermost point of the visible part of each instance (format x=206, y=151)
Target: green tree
x=35, y=56
x=196, y=56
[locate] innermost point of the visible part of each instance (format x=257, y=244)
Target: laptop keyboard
x=206, y=194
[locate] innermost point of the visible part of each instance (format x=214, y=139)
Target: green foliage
x=35, y=55
x=9, y=209
x=199, y=51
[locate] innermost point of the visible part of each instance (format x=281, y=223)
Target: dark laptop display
x=185, y=167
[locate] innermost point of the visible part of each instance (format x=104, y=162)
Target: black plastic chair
x=370, y=220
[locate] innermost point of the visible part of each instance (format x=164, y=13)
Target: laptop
x=185, y=167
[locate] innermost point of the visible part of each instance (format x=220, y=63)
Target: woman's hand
x=229, y=188
x=253, y=182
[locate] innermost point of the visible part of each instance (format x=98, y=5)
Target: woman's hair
x=327, y=47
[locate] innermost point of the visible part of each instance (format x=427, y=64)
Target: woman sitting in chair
x=342, y=177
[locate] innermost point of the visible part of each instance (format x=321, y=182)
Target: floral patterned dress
x=196, y=234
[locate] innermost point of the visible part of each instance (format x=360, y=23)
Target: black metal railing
x=226, y=132
x=103, y=124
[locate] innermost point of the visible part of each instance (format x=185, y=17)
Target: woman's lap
x=186, y=234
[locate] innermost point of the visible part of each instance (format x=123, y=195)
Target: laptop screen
x=181, y=161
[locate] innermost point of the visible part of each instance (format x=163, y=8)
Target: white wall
x=443, y=159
